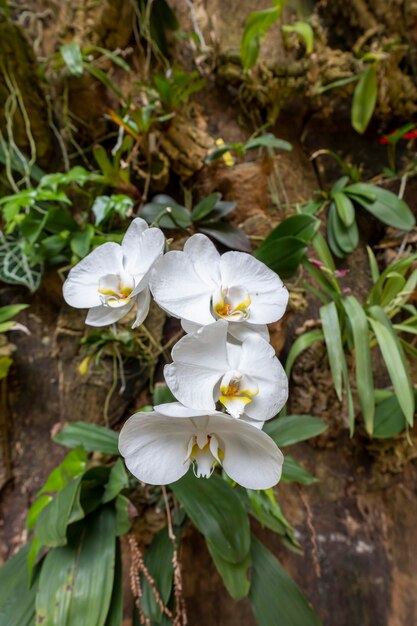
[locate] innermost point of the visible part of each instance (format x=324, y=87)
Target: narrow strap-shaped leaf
x=364, y=100
x=333, y=339
x=363, y=362
x=344, y=207
x=395, y=361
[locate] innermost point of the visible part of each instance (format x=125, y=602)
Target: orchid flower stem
x=110, y=393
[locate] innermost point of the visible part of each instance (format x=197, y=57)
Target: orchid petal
x=105, y=315
x=155, y=447
x=143, y=302
x=150, y=249
x=251, y=458
x=205, y=258
x=241, y=330
x=81, y=287
x=176, y=409
x=268, y=295
x=192, y=385
x=179, y=290
x=258, y=360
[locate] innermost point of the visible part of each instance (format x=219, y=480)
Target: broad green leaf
x=16, y=267
x=268, y=140
x=53, y=519
x=17, y=599
x=165, y=212
x=293, y=472
x=227, y=234
x=364, y=99
x=73, y=465
x=304, y=30
x=274, y=596
x=76, y=581
x=234, y=575
x=158, y=560
x=283, y=256
x=263, y=506
x=382, y=204
x=300, y=344
x=81, y=241
x=92, y=437
x=115, y=614
x=344, y=208
x=203, y=208
x=217, y=512
x=118, y=480
x=342, y=239
x=72, y=57
x=363, y=362
x=11, y=310
x=255, y=30
x=301, y=226
x=389, y=419
x=394, y=360
x=35, y=509
x=77, y=174
x=290, y=429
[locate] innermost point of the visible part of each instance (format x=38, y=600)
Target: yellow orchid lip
x=114, y=291
x=232, y=304
x=236, y=391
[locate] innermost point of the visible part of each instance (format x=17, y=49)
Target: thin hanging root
x=137, y=568
x=313, y=534
x=180, y=618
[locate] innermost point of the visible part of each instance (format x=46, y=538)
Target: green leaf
x=72, y=57
x=76, y=580
x=118, y=480
x=373, y=264
x=363, y=361
x=300, y=344
x=123, y=523
x=283, y=256
x=344, y=208
x=382, y=204
x=158, y=560
x=389, y=419
x=364, y=99
x=290, y=429
x=92, y=437
x=115, y=614
x=35, y=509
x=17, y=599
x=5, y=365
x=162, y=394
x=342, y=239
x=255, y=30
x=274, y=596
x=53, y=519
x=81, y=241
x=304, y=30
x=394, y=360
x=203, y=208
x=11, y=310
x=227, y=234
x=293, y=472
x=264, y=507
x=166, y=213
x=217, y=512
x=268, y=140
x=333, y=339
x=73, y=465
x=16, y=267
x=323, y=251
x=234, y=575
x=104, y=79
x=301, y=226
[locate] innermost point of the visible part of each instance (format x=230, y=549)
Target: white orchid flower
x=160, y=446
x=200, y=286
x=247, y=378
x=113, y=278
